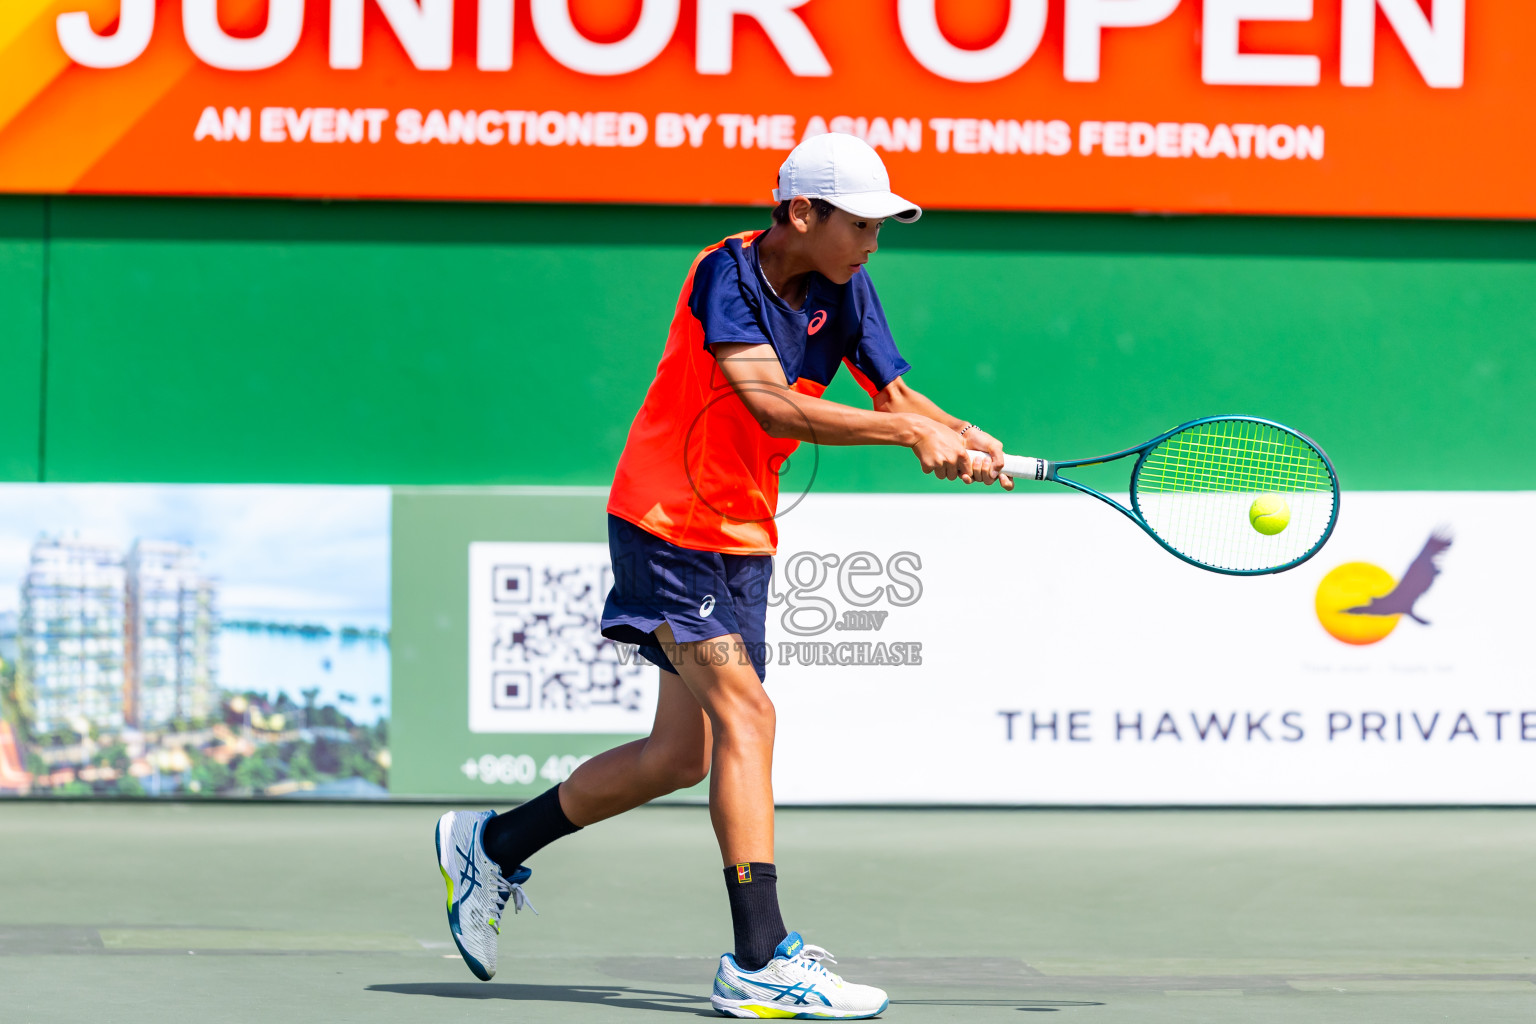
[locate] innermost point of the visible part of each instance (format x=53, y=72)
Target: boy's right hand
x=942, y=451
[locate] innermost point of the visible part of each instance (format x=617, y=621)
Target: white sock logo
x=708, y=606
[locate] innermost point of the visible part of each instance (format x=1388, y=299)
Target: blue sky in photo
x=281, y=553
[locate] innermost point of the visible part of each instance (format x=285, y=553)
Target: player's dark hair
x=821, y=206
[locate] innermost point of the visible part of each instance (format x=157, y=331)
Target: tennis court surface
x=286, y=913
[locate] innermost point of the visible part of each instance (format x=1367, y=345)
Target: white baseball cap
x=846, y=172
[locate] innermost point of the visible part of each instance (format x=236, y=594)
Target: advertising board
x=1021, y=649
x=1349, y=107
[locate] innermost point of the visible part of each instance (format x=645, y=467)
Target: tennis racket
x=1232, y=494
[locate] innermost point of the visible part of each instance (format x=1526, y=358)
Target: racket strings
x=1196, y=490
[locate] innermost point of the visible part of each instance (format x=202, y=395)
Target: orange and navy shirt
x=698, y=470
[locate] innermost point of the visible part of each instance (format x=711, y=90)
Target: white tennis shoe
x=477, y=892
x=794, y=985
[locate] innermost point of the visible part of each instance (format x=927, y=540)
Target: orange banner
x=1352, y=107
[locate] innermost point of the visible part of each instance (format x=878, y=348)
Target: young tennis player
x=764, y=320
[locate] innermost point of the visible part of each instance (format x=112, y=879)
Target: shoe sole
x=761, y=1011
x=475, y=966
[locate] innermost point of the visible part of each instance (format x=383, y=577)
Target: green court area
x=287, y=913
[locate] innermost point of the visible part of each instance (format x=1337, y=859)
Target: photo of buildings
x=116, y=638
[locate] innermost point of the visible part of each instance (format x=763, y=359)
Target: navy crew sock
x=755, y=918
x=511, y=838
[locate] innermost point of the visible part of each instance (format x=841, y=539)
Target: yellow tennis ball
x=1269, y=514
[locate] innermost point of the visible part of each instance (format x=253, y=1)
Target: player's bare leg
x=741, y=719
x=674, y=756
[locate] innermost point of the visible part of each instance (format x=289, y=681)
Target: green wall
x=193, y=340
x=23, y=296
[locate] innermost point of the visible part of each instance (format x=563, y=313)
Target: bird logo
x=1360, y=603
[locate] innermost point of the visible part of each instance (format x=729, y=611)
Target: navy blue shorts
x=700, y=594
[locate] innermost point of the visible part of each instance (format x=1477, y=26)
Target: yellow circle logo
x=1352, y=585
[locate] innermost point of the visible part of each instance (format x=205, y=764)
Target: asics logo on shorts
x=708, y=606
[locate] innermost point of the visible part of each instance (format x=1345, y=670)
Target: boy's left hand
x=979, y=440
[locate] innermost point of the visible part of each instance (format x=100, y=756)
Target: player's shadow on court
x=651, y=999
x=1024, y=1005
x=605, y=995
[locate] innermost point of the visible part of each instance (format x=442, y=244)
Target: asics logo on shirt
x=816, y=321
x=708, y=606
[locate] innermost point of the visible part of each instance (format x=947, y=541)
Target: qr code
x=537, y=651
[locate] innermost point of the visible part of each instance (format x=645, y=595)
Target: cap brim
x=877, y=206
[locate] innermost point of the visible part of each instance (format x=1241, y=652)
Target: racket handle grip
x=1020, y=467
